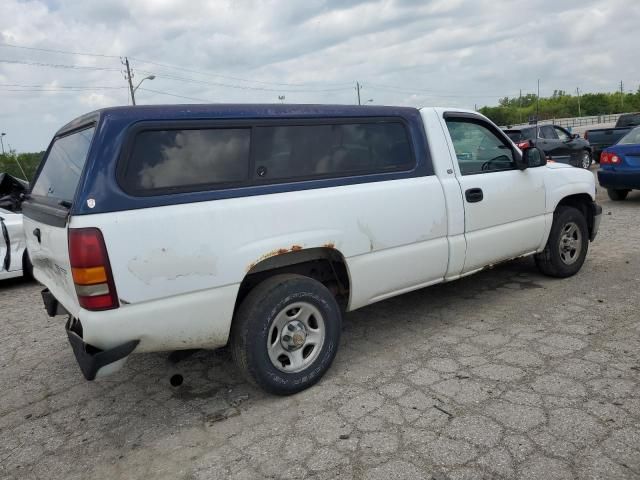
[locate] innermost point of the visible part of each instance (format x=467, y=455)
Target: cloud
x=409, y=52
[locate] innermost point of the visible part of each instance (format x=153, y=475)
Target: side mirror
x=533, y=157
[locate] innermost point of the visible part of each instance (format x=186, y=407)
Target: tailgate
x=605, y=137
x=46, y=213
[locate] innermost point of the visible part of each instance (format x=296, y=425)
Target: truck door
x=503, y=206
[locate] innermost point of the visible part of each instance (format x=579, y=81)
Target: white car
x=14, y=259
x=193, y=226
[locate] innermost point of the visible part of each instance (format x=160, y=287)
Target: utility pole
x=538, y=110
x=520, y=107
x=358, y=90
x=129, y=78
x=621, y=96
x=578, y=92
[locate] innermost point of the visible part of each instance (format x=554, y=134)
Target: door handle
x=36, y=233
x=474, y=195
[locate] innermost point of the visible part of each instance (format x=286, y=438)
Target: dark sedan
x=558, y=144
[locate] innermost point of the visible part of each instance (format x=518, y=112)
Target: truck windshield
x=61, y=171
x=631, y=138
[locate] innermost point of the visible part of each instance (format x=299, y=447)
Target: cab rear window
x=58, y=179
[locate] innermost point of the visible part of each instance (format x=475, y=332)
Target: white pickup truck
x=196, y=226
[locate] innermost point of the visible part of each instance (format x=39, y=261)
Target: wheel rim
x=570, y=243
x=296, y=337
x=586, y=160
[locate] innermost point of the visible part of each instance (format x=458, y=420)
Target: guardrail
x=580, y=121
x=576, y=121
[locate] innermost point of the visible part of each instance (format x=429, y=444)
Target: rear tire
x=617, y=195
x=285, y=334
x=567, y=245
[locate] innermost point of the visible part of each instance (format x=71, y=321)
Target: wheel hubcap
x=570, y=243
x=296, y=337
x=586, y=161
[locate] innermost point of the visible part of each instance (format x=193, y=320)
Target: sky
x=61, y=58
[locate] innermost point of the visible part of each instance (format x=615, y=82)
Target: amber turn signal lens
x=89, y=276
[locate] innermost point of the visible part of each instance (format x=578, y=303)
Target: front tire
x=585, y=160
x=617, y=195
x=285, y=333
x=567, y=245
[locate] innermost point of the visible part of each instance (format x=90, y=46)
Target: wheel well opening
x=326, y=265
x=583, y=202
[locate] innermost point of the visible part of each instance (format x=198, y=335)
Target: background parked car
x=620, y=166
x=14, y=259
x=601, y=138
x=558, y=144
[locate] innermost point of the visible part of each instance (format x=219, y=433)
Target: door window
x=478, y=149
x=562, y=135
x=547, y=132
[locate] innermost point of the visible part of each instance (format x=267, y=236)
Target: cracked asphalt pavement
x=504, y=374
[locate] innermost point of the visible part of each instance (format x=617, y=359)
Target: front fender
x=562, y=181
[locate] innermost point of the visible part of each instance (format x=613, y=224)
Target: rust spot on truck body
x=274, y=253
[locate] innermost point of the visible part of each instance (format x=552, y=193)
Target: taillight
x=91, y=270
x=609, y=158
x=586, y=135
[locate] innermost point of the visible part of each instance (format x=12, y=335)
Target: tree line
x=521, y=109
x=28, y=161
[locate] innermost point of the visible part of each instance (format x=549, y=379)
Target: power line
x=242, y=87
x=376, y=86
x=228, y=77
x=164, y=65
x=66, y=52
x=58, y=65
x=74, y=87
x=33, y=90
x=176, y=95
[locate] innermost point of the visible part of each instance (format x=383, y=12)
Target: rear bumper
x=92, y=360
x=101, y=340
x=619, y=180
